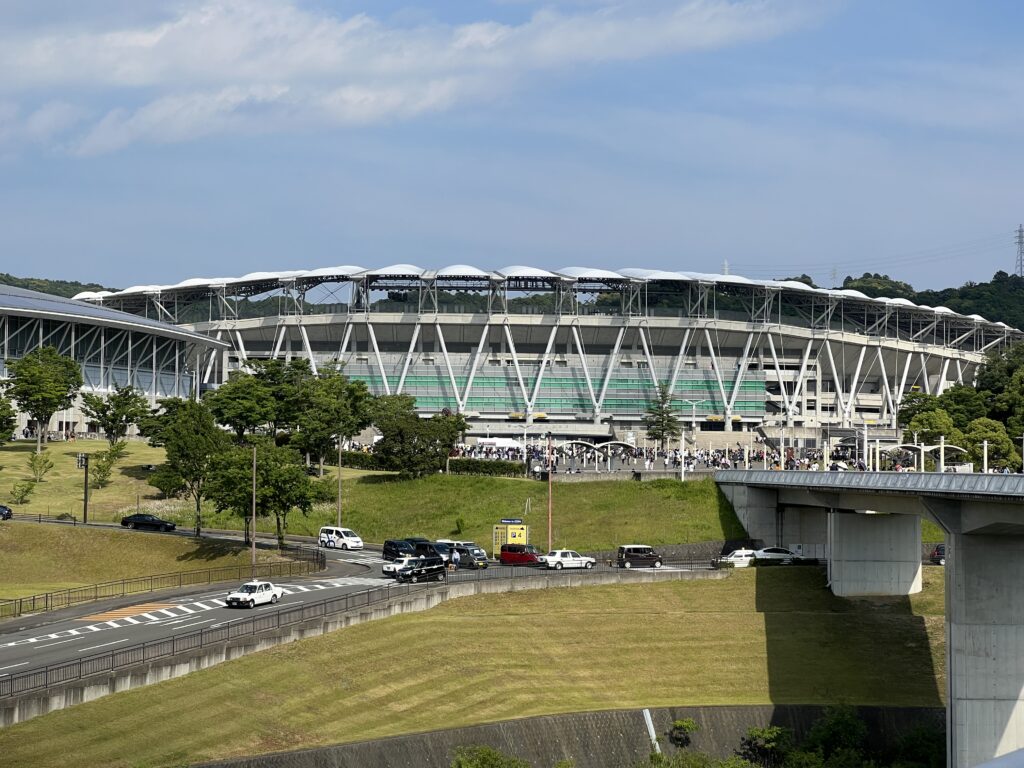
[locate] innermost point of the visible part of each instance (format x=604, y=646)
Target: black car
x=471, y=557
x=938, y=555
x=395, y=548
x=427, y=568
x=147, y=521
x=5, y=512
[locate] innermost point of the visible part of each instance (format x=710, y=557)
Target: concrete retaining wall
x=613, y=739
x=31, y=704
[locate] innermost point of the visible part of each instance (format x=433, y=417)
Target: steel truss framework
x=729, y=350
x=109, y=357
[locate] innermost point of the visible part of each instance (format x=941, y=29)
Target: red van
x=519, y=554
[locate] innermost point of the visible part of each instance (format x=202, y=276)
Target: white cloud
x=203, y=70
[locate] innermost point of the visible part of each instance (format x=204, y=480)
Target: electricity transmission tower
x=1020, y=251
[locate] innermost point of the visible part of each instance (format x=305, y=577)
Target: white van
x=339, y=538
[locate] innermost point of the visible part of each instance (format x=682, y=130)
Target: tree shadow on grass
x=207, y=549
x=137, y=471
x=378, y=479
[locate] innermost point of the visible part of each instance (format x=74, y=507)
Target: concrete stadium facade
x=113, y=348
x=580, y=352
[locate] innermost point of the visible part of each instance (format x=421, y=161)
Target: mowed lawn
x=757, y=637
x=43, y=557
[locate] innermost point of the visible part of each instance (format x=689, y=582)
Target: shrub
x=325, y=490
x=840, y=728
x=360, y=460
x=682, y=731
x=485, y=757
x=100, y=469
x=495, y=468
x=39, y=464
x=766, y=746
x=22, y=491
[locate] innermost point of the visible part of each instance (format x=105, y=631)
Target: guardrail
x=66, y=518
x=42, y=678
x=303, y=560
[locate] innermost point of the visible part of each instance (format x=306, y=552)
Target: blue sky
x=147, y=143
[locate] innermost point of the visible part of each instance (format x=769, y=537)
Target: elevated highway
x=868, y=526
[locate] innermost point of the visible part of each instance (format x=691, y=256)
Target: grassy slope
x=760, y=636
x=61, y=489
x=588, y=516
x=40, y=558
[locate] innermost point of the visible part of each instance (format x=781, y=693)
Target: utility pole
x=549, y=492
x=254, y=510
x=339, y=481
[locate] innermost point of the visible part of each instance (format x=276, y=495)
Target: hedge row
x=360, y=460
x=494, y=468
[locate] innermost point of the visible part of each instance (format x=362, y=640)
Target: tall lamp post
x=549, y=492
x=693, y=428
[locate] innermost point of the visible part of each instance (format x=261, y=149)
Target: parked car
x=340, y=538
x=738, y=558
x=776, y=555
x=5, y=512
x=938, y=555
x=630, y=555
x=567, y=558
x=415, y=541
x=254, y=593
x=471, y=557
x=142, y=520
x=397, y=548
x=426, y=568
x=390, y=569
x=519, y=554
x=434, y=548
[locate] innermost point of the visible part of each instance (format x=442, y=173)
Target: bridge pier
x=985, y=636
x=874, y=554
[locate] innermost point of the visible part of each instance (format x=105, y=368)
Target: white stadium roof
x=266, y=281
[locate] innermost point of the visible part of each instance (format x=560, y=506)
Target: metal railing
x=302, y=561
x=42, y=678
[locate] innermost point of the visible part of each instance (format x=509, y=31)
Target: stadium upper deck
x=584, y=347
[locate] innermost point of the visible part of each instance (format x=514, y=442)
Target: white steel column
x=376, y=353
x=799, y=385
x=307, y=346
x=854, y=383
x=836, y=381
x=408, y=358
x=240, y=346
x=714, y=365
x=515, y=363
x=611, y=367
x=903, y=380
x=679, y=360
x=278, y=341
x=924, y=374
x=940, y=387
x=543, y=365
x=885, y=386
x=345, y=339
x=741, y=371
x=583, y=363
x=647, y=356
x=778, y=374
x=448, y=365
x=476, y=362
x=209, y=365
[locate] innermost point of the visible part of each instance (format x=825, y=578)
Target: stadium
x=580, y=352
x=113, y=348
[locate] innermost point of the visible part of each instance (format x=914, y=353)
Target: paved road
x=73, y=633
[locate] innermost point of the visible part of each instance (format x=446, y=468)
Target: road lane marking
x=103, y=645
x=59, y=642
x=194, y=624
x=131, y=610
x=12, y=666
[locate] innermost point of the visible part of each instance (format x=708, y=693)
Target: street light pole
x=254, y=508
x=339, y=481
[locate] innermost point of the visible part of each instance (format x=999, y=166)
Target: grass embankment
x=586, y=516
x=40, y=558
x=761, y=636
x=61, y=488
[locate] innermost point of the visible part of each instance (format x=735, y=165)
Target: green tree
x=335, y=409
x=485, y=757
x=42, y=383
x=116, y=412
x=153, y=425
x=192, y=440
x=661, y=422
x=286, y=384
x=38, y=465
x=930, y=426
x=8, y=418
x=281, y=483
x=22, y=491
x=766, y=746
x=242, y=404
x=914, y=403
x=839, y=733
x=1001, y=449
x=410, y=445
x=963, y=404
x=876, y=285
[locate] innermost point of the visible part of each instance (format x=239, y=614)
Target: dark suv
x=630, y=555
x=429, y=568
x=471, y=557
x=5, y=512
x=395, y=548
x=938, y=555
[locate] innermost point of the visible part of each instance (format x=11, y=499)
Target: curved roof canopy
x=20, y=301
